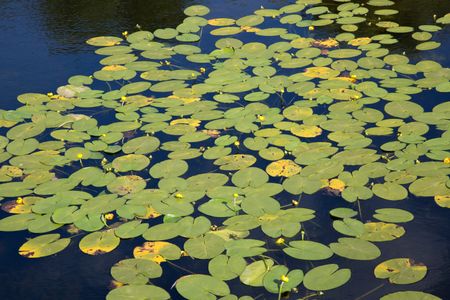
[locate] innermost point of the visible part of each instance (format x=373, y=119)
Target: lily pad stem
x=179, y=267
x=359, y=210
x=279, y=290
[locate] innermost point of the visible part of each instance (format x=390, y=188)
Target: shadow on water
x=43, y=44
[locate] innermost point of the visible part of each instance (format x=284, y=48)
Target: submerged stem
x=279, y=290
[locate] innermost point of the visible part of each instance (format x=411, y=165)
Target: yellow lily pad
x=283, y=168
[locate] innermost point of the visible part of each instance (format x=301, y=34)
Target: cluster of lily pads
x=201, y=149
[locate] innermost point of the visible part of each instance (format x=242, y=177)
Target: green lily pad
x=43, y=245
x=130, y=162
x=343, y=212
x=127, y=184
x=135, y=271
x=409, y=295
x=353, y=248
x=308, y=250
x=253, y=274
x=131, y=229
x=400, y=271
x=390, y=191
x=97, y=243
x=326, y=277
x=196, y=10
x=201, y=286
x=205, y=247
x=226, y=267
x=104, y=41
x=381, y=232
x=235, y=162
x=245, y=247
x=137, y=292
x=393, y=215
x=272, y=280
x=169, y=168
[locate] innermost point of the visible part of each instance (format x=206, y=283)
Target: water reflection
x=69, y=23
x=411, y=13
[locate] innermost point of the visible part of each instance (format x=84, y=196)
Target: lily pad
x=201, y=286
x=43, y=245
x=326, y=277
x=400, y=271
x=308, y=250
x=353, y=248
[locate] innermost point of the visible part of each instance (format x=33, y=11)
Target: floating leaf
x=235, y=162
x=226, y=267
x=393, y=215
x=131, y=229
x=201, y=286
x=272, y=280
x=157, y=251
x=196, y=10
x=97, y=243
x=130, y=162
x=326, y=277
x=43, y=245
x=400, y=271
x=409, y=295
x=254, y=273
x=283, y=168
x=380, y=232
x=355, y=249
x=135, y=271
x=127, y=184
x=442, y=201
x=104, y=41
x=205, y=246
x=390, y=191
x=169, y=168
x=135, y=292
x=308, y=250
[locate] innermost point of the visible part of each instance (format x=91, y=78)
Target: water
x=43, y=43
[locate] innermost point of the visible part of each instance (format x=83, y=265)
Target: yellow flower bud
x=294, y=202
x=179, y=195
x=19, y=200
x=49, y=94
x=235, y=195
x=125, y=33
x=109, y=216
x=261, y=118
x=284, y=278
x=80, y=155
x=447, y=160
x=237, y=143
x=202, y=70
x=123, y=98
x=279, y=241
x=311, y=28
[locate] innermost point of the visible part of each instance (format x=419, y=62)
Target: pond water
x=44, y=43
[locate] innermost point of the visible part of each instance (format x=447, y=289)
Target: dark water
x=43, y=43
